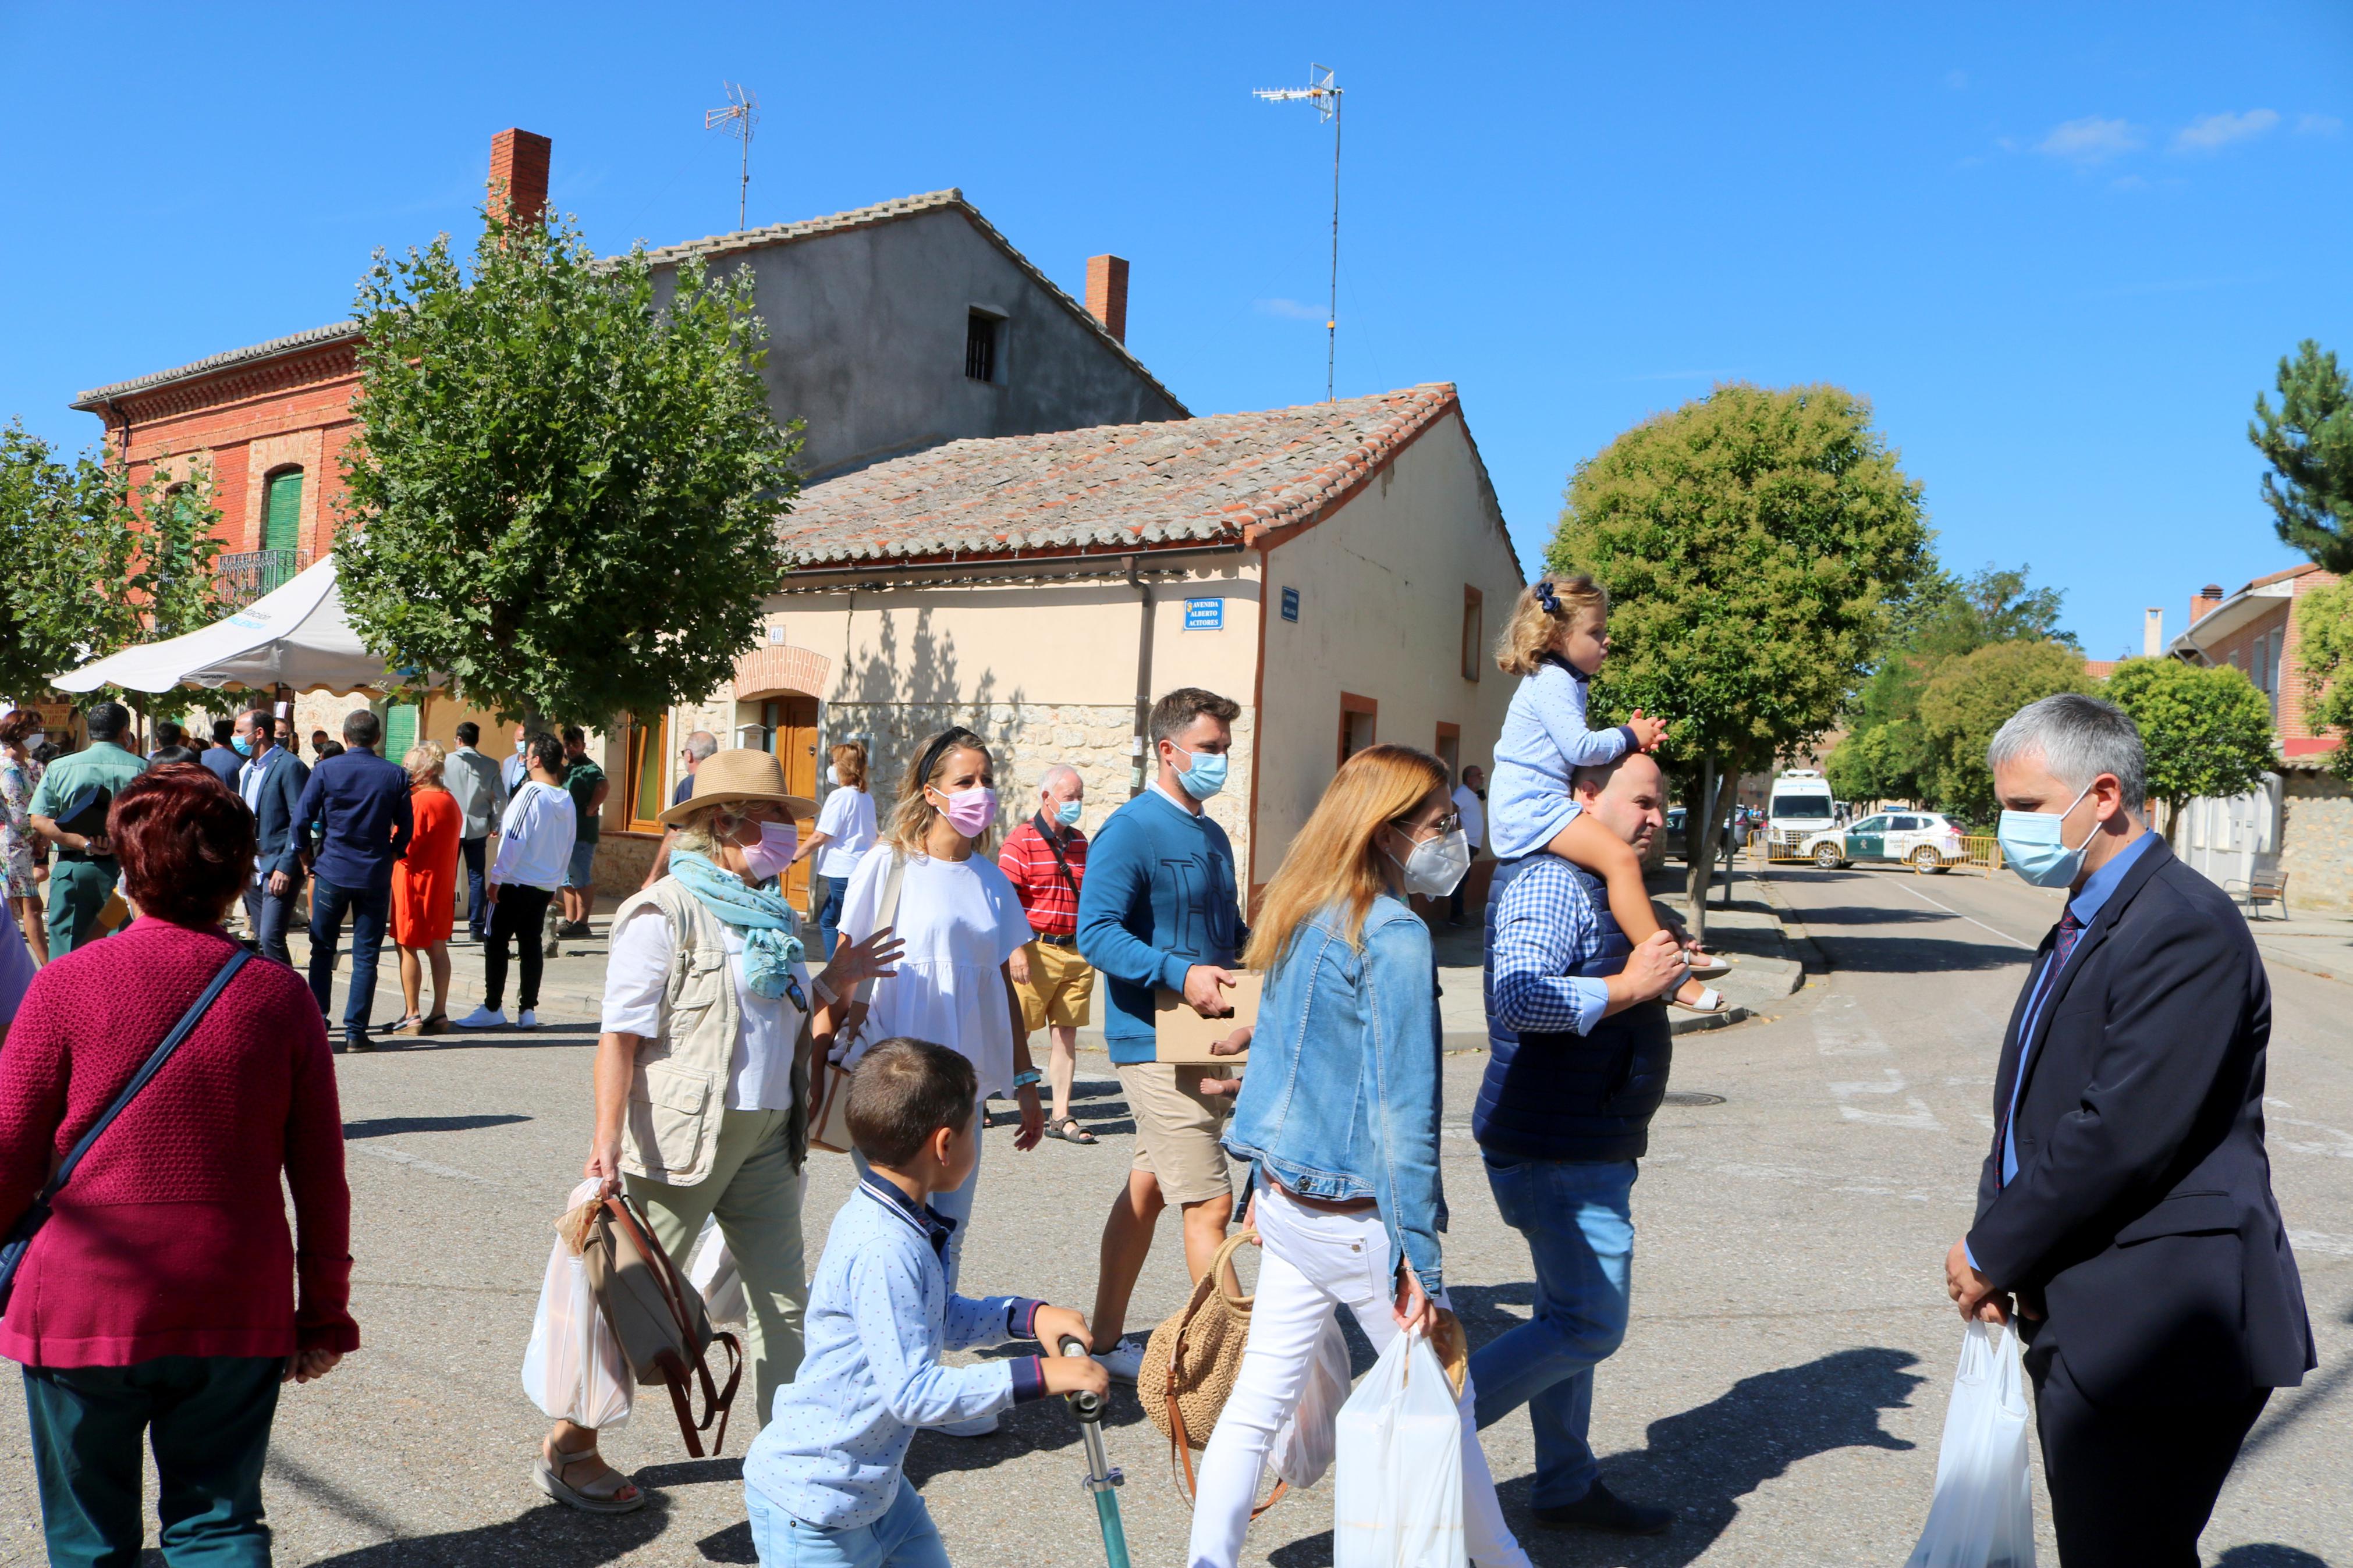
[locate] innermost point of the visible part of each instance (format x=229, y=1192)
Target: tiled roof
x=316, y=337
x=1222, y=478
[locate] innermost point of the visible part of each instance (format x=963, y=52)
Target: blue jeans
x=271, y=915
x=904, y=1537
x=477, y=910
x=1579, y=1220
x=208, y=1418
x=830, y=891
x=370, y=908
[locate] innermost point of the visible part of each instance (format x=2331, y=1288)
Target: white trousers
x=1315, y=1261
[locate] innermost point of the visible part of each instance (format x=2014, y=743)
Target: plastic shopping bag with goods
x=715, y=1277
x=573, y=1368
x=1397, y=1501
x=1983, y=1513
x=1302, y=1450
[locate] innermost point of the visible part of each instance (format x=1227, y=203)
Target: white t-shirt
x=846, y=820
x=961, y=921
x=1474, y=812
x=760, y=1069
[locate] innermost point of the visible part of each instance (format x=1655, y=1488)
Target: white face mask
x=1437, y=865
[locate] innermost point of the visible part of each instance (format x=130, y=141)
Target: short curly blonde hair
x=425, y=762
x=1542, y=608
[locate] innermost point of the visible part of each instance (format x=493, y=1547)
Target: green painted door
x=282, y=527
x=399, y=730
x=1867, y=840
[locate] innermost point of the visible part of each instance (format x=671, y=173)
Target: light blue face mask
x=1206, y=777
x=243, y=744
x=1069, y=812
x=2031, y=845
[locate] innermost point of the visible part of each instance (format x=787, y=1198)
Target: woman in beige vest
x=703, y=1071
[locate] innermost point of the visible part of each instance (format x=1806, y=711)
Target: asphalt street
x=1783, y=1384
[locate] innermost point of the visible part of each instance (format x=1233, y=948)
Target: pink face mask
x=970, y=811
x=773, y=856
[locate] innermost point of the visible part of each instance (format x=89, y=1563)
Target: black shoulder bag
x=29, y=1224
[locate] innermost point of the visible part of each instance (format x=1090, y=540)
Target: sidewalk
x=2319, y=944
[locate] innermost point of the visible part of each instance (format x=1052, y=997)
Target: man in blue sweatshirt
x=1159, y=908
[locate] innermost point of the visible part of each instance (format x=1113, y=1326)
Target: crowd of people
x=2124, y=1200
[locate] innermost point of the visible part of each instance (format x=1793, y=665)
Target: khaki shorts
x=1177, y=1130
x=1060, y=991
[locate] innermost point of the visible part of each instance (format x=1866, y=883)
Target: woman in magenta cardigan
x=165, y=1293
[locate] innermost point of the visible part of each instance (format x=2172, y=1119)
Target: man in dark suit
x=2126, y=1209
x=271, y=782
x=361, y=801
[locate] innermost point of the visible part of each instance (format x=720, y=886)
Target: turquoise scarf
x=770, y=947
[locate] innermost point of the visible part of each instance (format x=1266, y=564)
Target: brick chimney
x=2152, y=632
x=1107, y=293
x=519, y=174
x=2203, y=605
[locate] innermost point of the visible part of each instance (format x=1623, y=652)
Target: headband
x=940, y=746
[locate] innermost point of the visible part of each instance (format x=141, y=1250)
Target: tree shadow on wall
x=907, y=687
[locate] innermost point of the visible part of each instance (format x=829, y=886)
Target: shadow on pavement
x=388, y=1126
x=548, y=1533
x=2269, y=1554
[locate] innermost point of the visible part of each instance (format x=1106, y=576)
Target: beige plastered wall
x=1380, y=616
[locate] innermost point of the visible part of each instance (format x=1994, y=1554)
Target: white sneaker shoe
x=484, y=1018
x=979, y=1427
x=527, y=1020
x=1125, y=1359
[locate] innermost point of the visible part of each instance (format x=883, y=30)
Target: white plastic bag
x=573, y=1368
x=1983, y=1512
x=1397, y=1501
x=1302, y=1451
x=716, y=1280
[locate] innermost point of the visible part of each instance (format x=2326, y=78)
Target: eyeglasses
x=1451, y=822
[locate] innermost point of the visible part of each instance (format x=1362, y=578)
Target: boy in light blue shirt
x=822, y=1482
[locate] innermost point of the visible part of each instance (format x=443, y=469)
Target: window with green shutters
x=399, y=730
x=281, y=525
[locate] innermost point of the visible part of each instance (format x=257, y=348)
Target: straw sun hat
x=742, y=773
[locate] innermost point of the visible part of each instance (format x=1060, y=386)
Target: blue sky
x=2061, y=248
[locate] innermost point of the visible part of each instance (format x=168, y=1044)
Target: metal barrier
x=1984, y=852
x=1777, y=848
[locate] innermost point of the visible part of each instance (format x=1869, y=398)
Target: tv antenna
x=743, y=113
x=1325, y=97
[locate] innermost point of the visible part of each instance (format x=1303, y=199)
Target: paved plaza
x=1783, y=1383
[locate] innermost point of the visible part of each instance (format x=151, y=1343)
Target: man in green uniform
x=85, y=871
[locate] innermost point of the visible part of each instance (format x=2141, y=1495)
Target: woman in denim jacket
x=1338, y=1116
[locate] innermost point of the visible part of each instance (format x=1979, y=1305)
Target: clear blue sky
x=2059, y=247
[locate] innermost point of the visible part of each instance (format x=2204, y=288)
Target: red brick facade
x=2266, y=643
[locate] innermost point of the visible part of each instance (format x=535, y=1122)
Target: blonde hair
x=1533, y=627
x=699, y=830
x=1335, y=859
x=911, y=818
x=848, y=758
x=424, y=764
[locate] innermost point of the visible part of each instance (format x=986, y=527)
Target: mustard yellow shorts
x=1060, y=991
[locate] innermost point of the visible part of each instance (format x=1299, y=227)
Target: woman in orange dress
x=425, y=891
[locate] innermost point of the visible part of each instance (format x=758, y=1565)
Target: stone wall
x=1028, y=739
x=2316, y=840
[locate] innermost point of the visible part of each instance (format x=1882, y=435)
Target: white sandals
x=596, y=1497
x=1710, y=1001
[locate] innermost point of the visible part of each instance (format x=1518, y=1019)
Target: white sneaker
x=484, y=1018
x=1125, y=1359
x=979, y=1427
x=527, y=1020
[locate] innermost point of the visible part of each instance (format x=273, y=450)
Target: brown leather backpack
x=658, y=1317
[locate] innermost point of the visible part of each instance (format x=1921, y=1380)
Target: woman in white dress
x=961, y=922
x=845, y=831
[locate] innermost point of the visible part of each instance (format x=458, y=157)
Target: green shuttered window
x=282, y=527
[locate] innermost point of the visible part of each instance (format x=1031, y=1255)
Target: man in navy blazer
x=361, y=803
x=271, y=782
x=2125, y=1211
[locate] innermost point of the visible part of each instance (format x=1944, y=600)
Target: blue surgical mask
x=1069, y=813
x=2032, y=847
x=243, y=743
x=1206, y=777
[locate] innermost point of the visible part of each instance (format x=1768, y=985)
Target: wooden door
x=792, y=735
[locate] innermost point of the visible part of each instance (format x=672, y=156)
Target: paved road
x=1783, y=1384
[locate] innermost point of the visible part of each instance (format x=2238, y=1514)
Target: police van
x=1799, y=807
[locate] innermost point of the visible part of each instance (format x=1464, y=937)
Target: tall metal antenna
x=1325, y=97
x=742, y=112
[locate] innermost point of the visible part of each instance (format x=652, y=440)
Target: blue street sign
x=1290, y=604
x=1205, y=614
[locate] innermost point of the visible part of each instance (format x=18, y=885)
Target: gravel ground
x=1783, y=1384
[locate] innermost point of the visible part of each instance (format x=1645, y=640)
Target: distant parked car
x=1925, y=840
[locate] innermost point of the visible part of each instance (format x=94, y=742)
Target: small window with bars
x=982, y=339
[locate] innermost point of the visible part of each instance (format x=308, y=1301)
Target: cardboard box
x=1181, y=1034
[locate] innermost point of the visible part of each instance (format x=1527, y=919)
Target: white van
x=1800, y=807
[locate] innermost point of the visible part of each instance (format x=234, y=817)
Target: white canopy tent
x=296, y=635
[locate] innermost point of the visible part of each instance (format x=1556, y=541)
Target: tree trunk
x=1699, y=847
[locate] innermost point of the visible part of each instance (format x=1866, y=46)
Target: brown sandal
x=596, y=1497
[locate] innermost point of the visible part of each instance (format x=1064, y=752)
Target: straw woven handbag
x=829, y=1074
x=1190, y=1364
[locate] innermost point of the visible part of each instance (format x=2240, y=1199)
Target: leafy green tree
x=2205, y=728
x=2325, y=645
x=567, y=484
x=1753, y=542
x=1968, y=698
x=2309, y=441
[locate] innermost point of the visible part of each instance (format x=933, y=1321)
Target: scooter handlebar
x=1088, y=1406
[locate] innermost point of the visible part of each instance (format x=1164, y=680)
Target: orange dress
x=425, y=883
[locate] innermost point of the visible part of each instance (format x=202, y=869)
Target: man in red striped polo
x=1045, y=859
